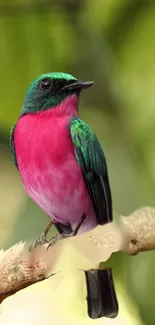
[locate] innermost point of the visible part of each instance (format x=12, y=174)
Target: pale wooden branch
x=138, y=231
x=19, y=267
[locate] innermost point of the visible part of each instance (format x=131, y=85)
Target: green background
x=113, y=43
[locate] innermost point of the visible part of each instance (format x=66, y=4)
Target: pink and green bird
x=60, y=160
x=63, y=167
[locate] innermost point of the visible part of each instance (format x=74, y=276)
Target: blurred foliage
x=113, y=43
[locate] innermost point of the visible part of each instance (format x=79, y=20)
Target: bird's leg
x=58, y=237
x=75, y=231
x=42, y=239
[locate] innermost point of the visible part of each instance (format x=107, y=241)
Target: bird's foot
x=58, y=237
x=42, y=239
x=54, y=239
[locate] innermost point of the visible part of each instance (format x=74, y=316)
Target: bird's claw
x=56, y=238
x=53, y=240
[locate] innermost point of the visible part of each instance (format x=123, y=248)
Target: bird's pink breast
x=49, y=169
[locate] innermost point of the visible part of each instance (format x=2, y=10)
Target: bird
x=61, y=162
x=62, y=165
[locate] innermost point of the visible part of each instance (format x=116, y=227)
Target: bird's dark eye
x=45, y=84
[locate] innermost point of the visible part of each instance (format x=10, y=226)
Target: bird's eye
x=46, y=84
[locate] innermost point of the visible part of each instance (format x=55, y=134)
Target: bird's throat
x=69, y=106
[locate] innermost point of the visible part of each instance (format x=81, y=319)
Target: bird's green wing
x=93, y=164
x=12, y=146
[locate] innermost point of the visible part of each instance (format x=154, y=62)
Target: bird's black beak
x=79, y=85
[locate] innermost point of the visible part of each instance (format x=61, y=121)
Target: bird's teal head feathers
x=49, y=90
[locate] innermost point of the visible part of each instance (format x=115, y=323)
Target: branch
x=131, y=234
x=19, y=267
x=138, y=231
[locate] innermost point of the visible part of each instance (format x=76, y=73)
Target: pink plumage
x=48, y=166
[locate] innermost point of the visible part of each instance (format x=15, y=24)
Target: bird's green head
x=50, y=89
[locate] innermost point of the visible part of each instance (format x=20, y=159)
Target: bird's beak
x=78, y=85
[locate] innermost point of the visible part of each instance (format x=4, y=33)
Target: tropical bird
x=62, y=165
x=60, y=160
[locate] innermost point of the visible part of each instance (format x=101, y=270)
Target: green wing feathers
x=12, y=146
x=92, y=161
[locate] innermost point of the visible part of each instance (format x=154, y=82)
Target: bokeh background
x=113, y=43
